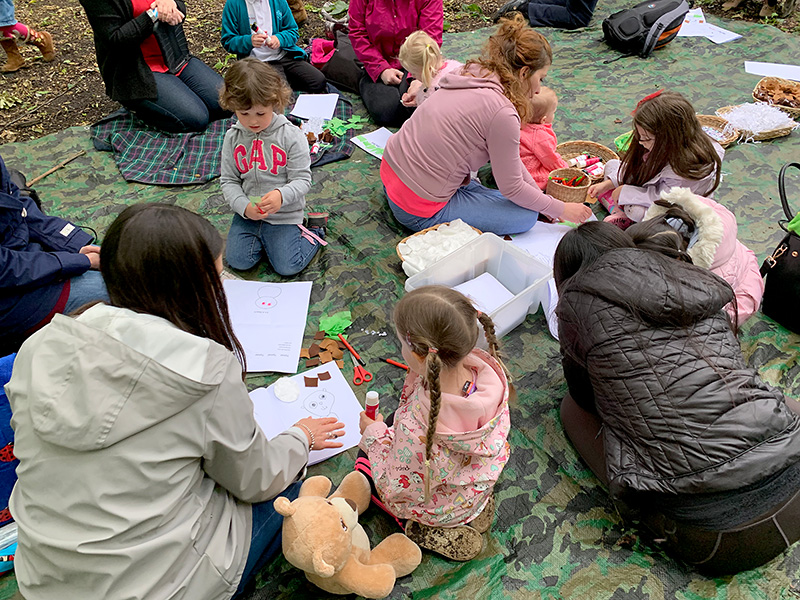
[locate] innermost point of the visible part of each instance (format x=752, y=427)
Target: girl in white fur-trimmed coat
x=705, y=232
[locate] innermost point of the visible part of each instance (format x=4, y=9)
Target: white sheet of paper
x=718, y=35
x=541, y=241
x=773, y=70
x=373, y=142
x=331, y=398
x=486, y=292
x=269, y=319
x=315, y=105
x=693, y=23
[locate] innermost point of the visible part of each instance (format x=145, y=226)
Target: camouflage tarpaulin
x=556, y=534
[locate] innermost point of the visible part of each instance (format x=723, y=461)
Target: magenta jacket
x=465, y=124
x=379, y=27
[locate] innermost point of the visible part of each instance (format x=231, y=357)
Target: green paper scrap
x=794, y=225
x=338, y=128
x=336, y=324
x=623, y=141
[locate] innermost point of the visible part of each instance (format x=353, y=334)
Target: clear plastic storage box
x=522, y=274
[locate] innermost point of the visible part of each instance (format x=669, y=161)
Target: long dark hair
x=680, y=142
x=159, y=259
x=582, y=246
x=657, y=234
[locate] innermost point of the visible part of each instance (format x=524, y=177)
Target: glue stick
x=578, y=161
x=592, y=161
x=595, y=170
x=372, y=405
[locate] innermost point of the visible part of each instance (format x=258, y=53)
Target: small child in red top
x=537, y=140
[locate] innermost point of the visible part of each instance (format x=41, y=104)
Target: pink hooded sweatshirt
x=379, y=27
x=537, y=149
x=465, y=124
x=470, y=449
x=718, y=249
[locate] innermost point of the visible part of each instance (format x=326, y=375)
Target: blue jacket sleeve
x=235, y=31
x=34, y=269
x=284, y=25
x=53, y=233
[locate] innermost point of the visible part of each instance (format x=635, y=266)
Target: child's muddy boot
x=298, y=9
x=460, y=543
x=483, y=522
x=14, y=60
x=43, y=41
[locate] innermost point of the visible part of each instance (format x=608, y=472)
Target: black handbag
x=782, y=268
x=343, y=69
x=174, y=47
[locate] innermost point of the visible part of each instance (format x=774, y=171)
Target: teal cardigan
x=236, y=30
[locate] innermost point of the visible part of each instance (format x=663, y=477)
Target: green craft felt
x=336, y=323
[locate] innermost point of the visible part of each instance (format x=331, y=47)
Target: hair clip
x=646, y=98
x=433, y=350
x=479, y=313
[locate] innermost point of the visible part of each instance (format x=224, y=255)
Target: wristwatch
x=153, y=14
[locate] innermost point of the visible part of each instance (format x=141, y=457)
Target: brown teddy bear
x=322, y=536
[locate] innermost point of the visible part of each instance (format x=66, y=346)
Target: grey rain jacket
x=139, y=456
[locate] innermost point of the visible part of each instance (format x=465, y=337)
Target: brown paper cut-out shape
x=323, y=375
x=340, y=364
x=320, y=335
x=328, y=344
x=314, y=362
x=313, y=350
x=311, y=381
x=325, y=356
x=337, y=354
x=304, y=353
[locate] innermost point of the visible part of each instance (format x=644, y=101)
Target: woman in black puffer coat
x=704, y=453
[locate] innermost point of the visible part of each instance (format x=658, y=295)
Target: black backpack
x=645, y=27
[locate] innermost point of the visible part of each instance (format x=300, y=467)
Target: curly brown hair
x=514, y=46
x=250, y=82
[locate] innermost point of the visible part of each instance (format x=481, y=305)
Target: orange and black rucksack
x=645, y=27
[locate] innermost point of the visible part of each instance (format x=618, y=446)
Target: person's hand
x=271, y=202
x=392, y=76
x=326, y=431
x=598, y=189
x=615, y=194
x=576, y=212
x=93, y=254
x=168, y=11
x=410, y=97
x=364, y=421
x=258, y=39
x=252, y=213
x=273, y=42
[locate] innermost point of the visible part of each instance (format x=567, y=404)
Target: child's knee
x=239, y=259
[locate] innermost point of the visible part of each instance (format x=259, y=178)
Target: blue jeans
x=565, y=14
x=287, y=251
x=84, y=289
x=265, y=541
x=483, y=208
x=186, y=102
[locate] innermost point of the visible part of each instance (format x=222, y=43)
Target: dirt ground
x=48, y=97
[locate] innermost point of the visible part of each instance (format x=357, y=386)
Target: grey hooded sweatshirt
x=139, y=456
x=274, y=159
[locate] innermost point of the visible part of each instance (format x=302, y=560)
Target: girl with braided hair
x=435, y=461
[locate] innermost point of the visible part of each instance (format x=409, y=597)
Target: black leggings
x=714, y=552
x=383, y=101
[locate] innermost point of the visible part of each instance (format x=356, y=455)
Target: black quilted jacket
x=644, y=340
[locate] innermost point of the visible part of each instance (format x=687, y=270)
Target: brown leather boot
x=43, y=41
x=14, y=60
x=299, y=13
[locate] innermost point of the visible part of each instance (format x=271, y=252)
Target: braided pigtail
x=491, y=339
x=433, y=368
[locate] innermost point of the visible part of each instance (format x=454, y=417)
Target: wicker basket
x=764, y=135
x=569, y=150
x=728, y=132
x=423, y=232
x=566, y=193
x=792, y=112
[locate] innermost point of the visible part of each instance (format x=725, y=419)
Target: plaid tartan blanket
x=147, y=155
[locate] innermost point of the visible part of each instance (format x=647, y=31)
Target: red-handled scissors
x=360, y=374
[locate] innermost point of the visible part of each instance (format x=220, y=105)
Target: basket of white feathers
x=425, y=247
x=758, y=122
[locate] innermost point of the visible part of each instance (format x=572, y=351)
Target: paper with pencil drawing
x=330, y=398
x=269, y=319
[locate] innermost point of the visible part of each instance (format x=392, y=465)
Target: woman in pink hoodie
x=474, y=117
x=705, y=232
x=377, y=30
x=435, y=461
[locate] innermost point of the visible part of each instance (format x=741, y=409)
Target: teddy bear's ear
x=322, y=568
x=284, y=507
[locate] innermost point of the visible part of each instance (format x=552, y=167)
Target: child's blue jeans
x=483, y=208
x=287, y=251
x=265, y=541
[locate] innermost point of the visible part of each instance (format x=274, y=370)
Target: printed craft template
x=323, y=392
x=269, y=320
